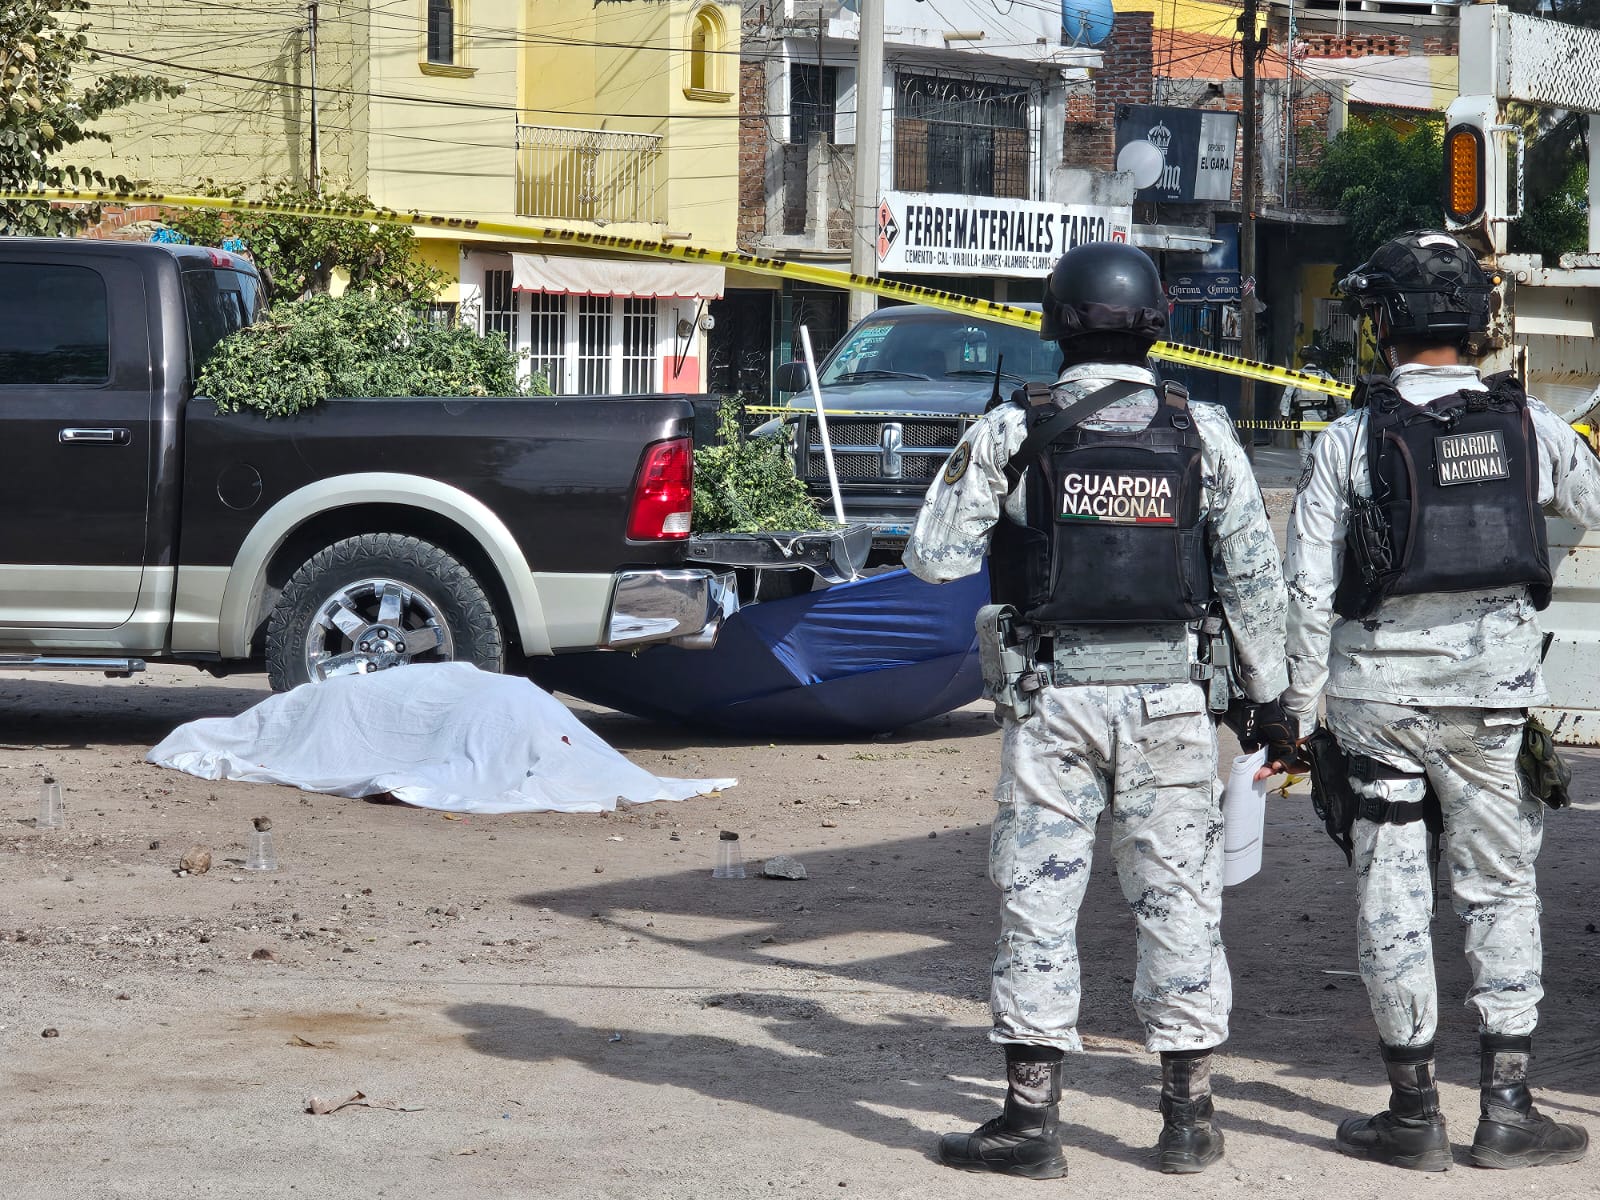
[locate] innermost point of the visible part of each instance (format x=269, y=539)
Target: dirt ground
x=570, y=1006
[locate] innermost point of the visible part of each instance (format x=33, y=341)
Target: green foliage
x=1557, y=222
x=748, y=485
x=1384, y=182
x=299, y=255
x=358, y=344
x=43, y=111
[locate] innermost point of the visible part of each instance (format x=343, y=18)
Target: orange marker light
x=1463, y=173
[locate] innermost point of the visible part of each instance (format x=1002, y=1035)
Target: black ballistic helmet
x=1104, y=287
x=1428, y=286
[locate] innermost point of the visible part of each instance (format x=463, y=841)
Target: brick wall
x=1090, y=137
x=1312, y=109
x=115, y=219
x=752, y=153
x=1356, y=45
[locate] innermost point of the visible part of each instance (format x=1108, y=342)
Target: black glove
x=1266, y=724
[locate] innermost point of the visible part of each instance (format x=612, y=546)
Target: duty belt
x=1072, y=656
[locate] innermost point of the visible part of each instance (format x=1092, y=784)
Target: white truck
x=1545, y=318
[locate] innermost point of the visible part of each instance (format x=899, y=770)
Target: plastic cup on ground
x=259, y=852
x=52, y=808
x=730, y=861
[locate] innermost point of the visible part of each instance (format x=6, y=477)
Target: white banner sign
x=941, y=234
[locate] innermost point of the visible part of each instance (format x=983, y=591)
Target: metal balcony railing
x=589, y=175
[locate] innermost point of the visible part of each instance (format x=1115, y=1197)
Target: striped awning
x=569, y=274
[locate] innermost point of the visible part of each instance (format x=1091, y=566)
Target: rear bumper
x=683, y=606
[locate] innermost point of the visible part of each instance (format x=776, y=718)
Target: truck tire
x=377, y=601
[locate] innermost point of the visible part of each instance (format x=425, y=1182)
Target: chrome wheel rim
x=372, y=625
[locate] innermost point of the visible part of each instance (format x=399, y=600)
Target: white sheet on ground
x=442, y=735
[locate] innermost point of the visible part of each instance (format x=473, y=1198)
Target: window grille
x=964, y=136
x=549, y=339
x=811, y=103
x=442, y=314
x=499, y=306
x=638, y=344
x=1334, y=324
x=594, y=345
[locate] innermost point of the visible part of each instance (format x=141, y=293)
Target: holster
x=1403, y=812
x=1007, y=658
x=1332, y=796
x=1395, y=812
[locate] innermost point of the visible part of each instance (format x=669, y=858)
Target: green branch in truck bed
x=305, y=351
x=748, y=485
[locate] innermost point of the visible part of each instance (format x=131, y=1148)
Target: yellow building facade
x=620, y=117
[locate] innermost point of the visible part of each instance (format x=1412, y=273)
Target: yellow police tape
x=889, y=415
x=1007, y=314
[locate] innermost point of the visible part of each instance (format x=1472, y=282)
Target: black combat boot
x=1023, y=1139
x=1410, y=1133
x=1190, y=1140
x=1511, y=1131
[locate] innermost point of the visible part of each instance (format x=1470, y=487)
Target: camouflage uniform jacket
x=1474, y=649
x=951, y=535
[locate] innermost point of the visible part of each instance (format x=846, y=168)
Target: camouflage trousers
x=1492, y=836
x=1148, y=753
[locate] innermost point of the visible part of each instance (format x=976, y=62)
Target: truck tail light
x=663, y=492
x=1463, y=173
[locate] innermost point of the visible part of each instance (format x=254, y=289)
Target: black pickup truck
x=365, y=533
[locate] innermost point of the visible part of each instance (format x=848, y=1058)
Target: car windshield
x=938, y=346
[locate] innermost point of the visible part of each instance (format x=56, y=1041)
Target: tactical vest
x=1455, y=498
x=1114, y=533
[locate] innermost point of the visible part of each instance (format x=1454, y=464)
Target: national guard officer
x=1120, y=523
x=1416, y=563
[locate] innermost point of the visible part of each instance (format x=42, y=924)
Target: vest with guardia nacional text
x=1455, y=498
x=1114, y=531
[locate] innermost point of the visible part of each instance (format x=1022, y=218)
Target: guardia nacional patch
x=960, y=459
x=1120, y=497
x=1470, y=457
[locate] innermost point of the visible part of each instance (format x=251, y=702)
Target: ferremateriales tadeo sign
x=944, y=234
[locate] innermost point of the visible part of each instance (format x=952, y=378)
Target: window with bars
x=638, y=345
x=500, y=306
x=584, y=345
x=812, y=92
x=442, y=314
x=962, y=135
x=442, y=32
x=594, y=345
x=548, y=339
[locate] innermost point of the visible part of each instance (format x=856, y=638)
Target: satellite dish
x=1086, y=22
x=1141, y=160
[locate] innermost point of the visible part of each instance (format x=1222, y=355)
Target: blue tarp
x=863, y=657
